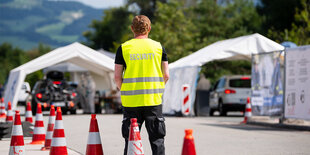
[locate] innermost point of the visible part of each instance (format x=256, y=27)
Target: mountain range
x=26, y=23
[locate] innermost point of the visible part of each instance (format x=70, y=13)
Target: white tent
x=107, y=53
x=186, y=69
x=75, y=53
x=65, y=67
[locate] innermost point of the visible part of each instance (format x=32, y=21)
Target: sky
x=101, y=3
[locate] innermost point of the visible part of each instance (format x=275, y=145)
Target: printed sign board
x=297, y=83
x=267, y=84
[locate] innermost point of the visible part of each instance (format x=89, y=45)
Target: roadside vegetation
x=183, y=27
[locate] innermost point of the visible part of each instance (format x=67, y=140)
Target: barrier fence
x=281, y=83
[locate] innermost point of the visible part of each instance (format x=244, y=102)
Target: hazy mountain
x=25, y=23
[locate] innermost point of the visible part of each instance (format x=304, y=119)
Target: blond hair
x=141, y=24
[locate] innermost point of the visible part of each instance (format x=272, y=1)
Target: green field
x=20, y=42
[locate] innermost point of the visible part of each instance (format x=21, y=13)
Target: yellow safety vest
x=143, y=83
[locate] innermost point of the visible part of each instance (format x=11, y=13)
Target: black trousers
x=154, y=123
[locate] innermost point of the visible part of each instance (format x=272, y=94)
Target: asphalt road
x=213, y=135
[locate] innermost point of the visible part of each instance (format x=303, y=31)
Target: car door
x=220, y=88
x=213, y=98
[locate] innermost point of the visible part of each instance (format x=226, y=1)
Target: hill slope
x=25, y=23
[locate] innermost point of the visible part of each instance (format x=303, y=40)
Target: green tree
x=278, y=14
x=10, y=58
x=146, y=7
x=226, y=20
x=32, y=54
x=222, y=21
x=299, y=31
x=215, y=69
x=173, y=29
x=109, y=32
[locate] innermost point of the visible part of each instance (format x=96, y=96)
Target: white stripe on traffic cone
x=38, y=136
x=9, y=116
x=50, y=129
x=28, y=113
x=134, y=142
x=248, y=111
x=59, y=145
x=94, y=146
x=17, y=139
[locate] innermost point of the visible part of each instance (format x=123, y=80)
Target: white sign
x=297, y=83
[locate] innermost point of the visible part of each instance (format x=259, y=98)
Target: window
x=215, y=85
x=221, y=83
x=240, y=83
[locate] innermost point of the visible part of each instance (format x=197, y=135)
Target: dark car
x=75, y=94
x=53, y=91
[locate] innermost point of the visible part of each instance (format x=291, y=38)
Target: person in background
x=90, y=92
x=141, y=71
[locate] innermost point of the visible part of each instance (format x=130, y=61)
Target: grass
x=52, y=29
x=22, y=25
x=24, y=4
x=20, y=42
x=65, y=38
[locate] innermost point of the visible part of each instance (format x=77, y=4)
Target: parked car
x=53, y=91
x=75, y=95
x=230, y=93
x=24, y=94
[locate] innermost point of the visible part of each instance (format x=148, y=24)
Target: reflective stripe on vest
x=143, y=91
x=143, y=83
x=143, y=79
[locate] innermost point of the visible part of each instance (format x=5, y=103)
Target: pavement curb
x=291, y=124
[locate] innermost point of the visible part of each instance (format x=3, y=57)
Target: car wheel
x=223, y=112
x=211, y=112
x=64, y=111
x=73, y=111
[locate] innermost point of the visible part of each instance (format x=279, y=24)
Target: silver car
x=230, y=93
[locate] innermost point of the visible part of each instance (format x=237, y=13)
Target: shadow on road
x=247, y=127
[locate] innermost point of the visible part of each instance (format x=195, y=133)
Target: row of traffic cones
x=9, y=113
x=2, y=109
x=55, y=136
x=135, y=143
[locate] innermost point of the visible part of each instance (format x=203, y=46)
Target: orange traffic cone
x=248, y=111
x=9, y=116
x=94, y=146
x=50, y=129
x=188, y=144
x=2, y=109
x=17, y=138
x=59, y=146
x=38, y=136
x=28, y=113
x=134, y=143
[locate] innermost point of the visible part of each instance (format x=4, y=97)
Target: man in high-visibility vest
x=141, y=71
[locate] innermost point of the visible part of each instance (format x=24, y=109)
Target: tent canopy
x=107, y=53
x=186, y=69
x=75, y=53
x=231, y=49
x=65, y=67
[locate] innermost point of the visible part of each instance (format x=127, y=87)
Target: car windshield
x=240, y=83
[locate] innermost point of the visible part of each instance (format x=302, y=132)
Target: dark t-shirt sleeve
x=164, y=56
x=119, y=59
